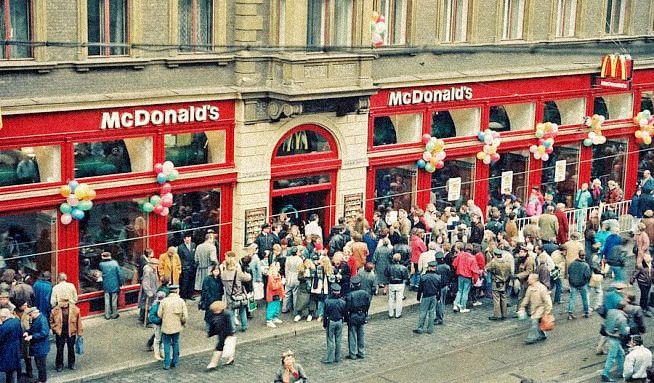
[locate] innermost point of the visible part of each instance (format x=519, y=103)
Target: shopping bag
x=252, y=303
x=258, y=291
x=79, y=345
x=547, y=322
x=229, y=348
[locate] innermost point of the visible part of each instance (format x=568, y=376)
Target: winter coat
x=382, y=260
x=417, y=247
x=549, y=227
x=303, y=293
x=643, y=274
x=564, y=226
x=173, y=313
x=579, y=273
x=368, y=281
x=11, y=334
x=465, y=265
x=535, y=204
x=290, y=271
x=74, y=320
x=222, y=325
x=205, y=256
x=149, y=285
x=614, y=195
x=500, y=272
x=212, y=291
x=111, y=279
x=63, y=290
x=537, y=297
x=234, y=286
x=170, y=267
x=42, y=296
x=583, y=199
x=360, y=255
x=40, y=332
x=22, y=292
x=275, y=288
x=642, y=244
x=357, y=304
x=511, y=229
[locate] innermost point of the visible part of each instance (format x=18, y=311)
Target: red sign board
x=616, y=72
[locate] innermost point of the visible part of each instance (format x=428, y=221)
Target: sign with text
x=507, y=182
x=616, y=71
x=254, y=218
x=559, y=170
x=353, y=203
x=454, y=189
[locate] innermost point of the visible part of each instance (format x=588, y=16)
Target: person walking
x=332, y=322
x=205, y=256
x=397, y=275
x=637, y=362
x=357, y=304
x=221, y=324
x=578, y=277
x=62, y=289
x=66, y=324
x=38, y=336
x=548, y=225
x=149, y=286
x=467, y=271
x=110, y=284
x=186, y=252
x=290, y=371
x=274, y=294
x=616, y=329
x=429, y=289
x=173, y=313
x=644, y=276
x=500, y=275
x=170, y=266
x=43, y=293
x=540, y=303
x=11, y=333
x=303, y=292
x=155, y=320
x=212, y=291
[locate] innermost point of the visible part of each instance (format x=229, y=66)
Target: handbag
x=251, y=302
x=258, y=290
x=239, y=300
x=547, y=322
x=79, y=345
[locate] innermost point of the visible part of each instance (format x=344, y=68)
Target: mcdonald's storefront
x=113, y=150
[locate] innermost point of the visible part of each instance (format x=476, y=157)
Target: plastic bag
x=79, y=345
x=547, y=322
x=258, y=290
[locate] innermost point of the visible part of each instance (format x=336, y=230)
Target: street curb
x=130, y=367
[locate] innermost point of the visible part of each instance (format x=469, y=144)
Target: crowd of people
x=447, y=258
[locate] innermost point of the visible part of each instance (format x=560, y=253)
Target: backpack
x=152, y=315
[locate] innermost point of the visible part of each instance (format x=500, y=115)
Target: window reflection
x=551, y=113
x=197, y=213
x=187, y=148
x=463, y=168
x=101, y=158
x=303, y=142
x=301, y=181
x=609, y=162
x=499, y=119
x=442, y=125
x=564, y=191
x=517, y=162
x=395, y=188
x=18, y=167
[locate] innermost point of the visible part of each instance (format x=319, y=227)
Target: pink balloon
x=426, y=138
x=166, y=188
x=158, y=168
x=158, y=209
x=164, y=212
x=72, y=200
x=440, y=165
x=66, y=219
x=166, y=202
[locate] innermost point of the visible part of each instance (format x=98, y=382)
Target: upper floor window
x=513, y=13
x=107, y=27
x=615, y=16
x=304, y=142
x=395, y=13
x=343, y=23
x=15, y=21
x=324, y=16
x=195, y=25
x=455, y=23
x=316, y=22
x=566, y=17
x=499, y=119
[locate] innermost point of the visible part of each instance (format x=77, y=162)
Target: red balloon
x=166, y=188
x=426, y=138
x=158, y=209
x=158, y=168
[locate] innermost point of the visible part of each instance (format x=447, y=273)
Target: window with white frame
x=342, y=23
x=107, y=27
x=316, y=22
x=566, y=17
x=195, y=25
x=513, y=13
x=395, y=13
x=455, y=20
x=615, y=16
x=15, y=24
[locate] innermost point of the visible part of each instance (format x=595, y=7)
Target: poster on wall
x=254, y=218
x=454, y=189
x=507, y=182
x=353, y=203
x=559, y=171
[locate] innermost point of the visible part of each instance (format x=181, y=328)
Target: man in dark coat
x=10, y=336
x=332, y=321
x=43, y=293
x=444, y=271
x=429, y=290
x=186, y=252
x=265, y=240
x=578, y=277
x=39, y=337
x=357, y=304
x=110, y=284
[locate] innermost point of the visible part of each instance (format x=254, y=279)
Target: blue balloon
x=481, y=136
x=73, y=185
x=77, y=214
x=421, y=163
x=161, y=178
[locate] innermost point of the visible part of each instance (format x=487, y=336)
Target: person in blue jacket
x=39, y=337
x=110, y=284
x=10, y=335
x=42, y=294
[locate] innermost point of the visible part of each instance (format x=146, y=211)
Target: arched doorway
x=303, y=176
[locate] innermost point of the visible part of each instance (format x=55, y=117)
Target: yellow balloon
x=64, y=190
x=647, y=140
x=541, y=149
x=638, y=133
x=492, y=150
x=480, y=155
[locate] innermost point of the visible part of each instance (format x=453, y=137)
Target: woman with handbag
x=274, y=294
x=233, y=279
x=212, y=291
x=644, y=275
x=221, y=324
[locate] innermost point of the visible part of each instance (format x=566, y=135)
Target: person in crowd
x=596, y=192
x=233, y=279
x=382, y=259
x=642, y=243
x=274, y=295
x=149, y=286
x=583, y=200
x=357, y=304
x=290, y=371
x=291, y=265
x=397, y=275
x=43, y=293
x=467, y=271
x=477, y=288
x=359, y=251
x=21, y=291
x=11, y=333
x=186, y=252
x=572, y=249
x=644, y=275
x=303, y=291
x=538, y=299
x=531, y=231
x=66, y=324
x=548, y=225
x=647, y=182
x=342, y=273
x=616, y=257
x=426, y=257
x=578, y=277
x=170, y=265
x=535, y=202
x=5, y=302
x=38, y=336
x=564, y=225
x=500, y=275
x=429, y=290
x=212, y=291
x=444, y=271
x=155, y=320
x=418, y=247
x=557, y=273
x=313, y=227
x=368, y=279
x=174, y=314
x=321, y=273
x=638, y=361
x=333, y=323
x=111, y=281
x=221, y=324
x=265, y=241
x=648, y=221
x=205, y=256
x=614, y=195
x=616, y=329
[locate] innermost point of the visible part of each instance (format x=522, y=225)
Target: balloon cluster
x=378, y=29
x=595, y=136
x=546, y=133
x=491, y=140
x=161, y=203
x=434, y=154
x=79, y=198
x=645, y=120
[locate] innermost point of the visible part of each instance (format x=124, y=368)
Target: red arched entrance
x=304, y=167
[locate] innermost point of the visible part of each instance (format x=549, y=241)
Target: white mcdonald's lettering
x=142, y=117
x=417, y=96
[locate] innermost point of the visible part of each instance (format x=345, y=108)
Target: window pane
x=187, y=149
x=564, y=191
x=315, y=14
x=117, y=227
x=27, y=241
x=551, y=113
x=118, y=25
x=499, y=119
x=395, y=188
x=194, y=212
x=599, y=107
x=399, y=22
x=442, y=125
x=609, y=162
x=463, y=168
x=646, y=101
x=343, y=23
x=185, y=24
x=19, y=23
x=95, y=17
x=205, y=23
x=101, y=158
x=301, y=181
x=304, y=142
x=399, y=128
x=517, y=162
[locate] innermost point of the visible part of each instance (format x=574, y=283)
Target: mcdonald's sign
x=616, y=71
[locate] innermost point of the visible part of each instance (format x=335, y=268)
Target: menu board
x=353, y=203
x=254, y=218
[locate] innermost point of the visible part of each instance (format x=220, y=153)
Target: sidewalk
x=119, y=345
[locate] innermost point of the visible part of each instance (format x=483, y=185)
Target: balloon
x=90, y=195
x=429, y=168
x=539, y=133
x=440, y=165
x=147, y=207
x=174, y=174
x=495, y=134
x=444, y=155
x=73, y=185
x=377, y=40
x=488, y=139
x=541, y=149
x=537, y=156
x=602, y=140
x=434, y=161
x=495, y=157
x=65, y=208
x=440, y=144
x=545, y=157
x=588, y=142
x=77, y=214
x=158, y=209
x=161, y=178
x=429, y=147
x=426, y=156
x=486, y=149
x=85, y=205
x=643, y=122
x=440, y=156
x=168, y=166
x=166, y=188
x=80, y=191
x=486, y=161
x=380, y=27
x=72, y=200
x=481, y=136
x=64, y=190
x=155, y=200
x=421, y=163
x=638, y=133
x=66, y=218
x=591, y=135
x=492, y=150
x=426, y=138
x=533, y=148
x=549, y=150
x=480, y=156
x=164, y=211
x=647, y=140
x=158, y=168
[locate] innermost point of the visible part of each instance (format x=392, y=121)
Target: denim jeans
x=272, y=310
x=334, y=335
x=290, y=296
x=573, y=297
x=599, y=296
x=615, y=355
x=242, y=313
x=427, y=308
x=356, y=340
x=395, y=299
x=110, y=305
x=440, y=304
x=618, y=273
x=415, y=277
x=171, y=341
x=320, y=307
x=557, y=287
x=463, y=290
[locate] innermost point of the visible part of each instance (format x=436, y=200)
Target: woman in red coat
x=274, y=294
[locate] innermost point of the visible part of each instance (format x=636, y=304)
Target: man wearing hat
x=357, y=304
x=444, y=271
x=332, y=321
x=500, y=272
x=66, y=324
x=5, y=303
x=429, y=289
x=173, y=313
x=149, y=286
x=11, y=333
x=110, y=284
x=38, y=335
x=637, y=362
